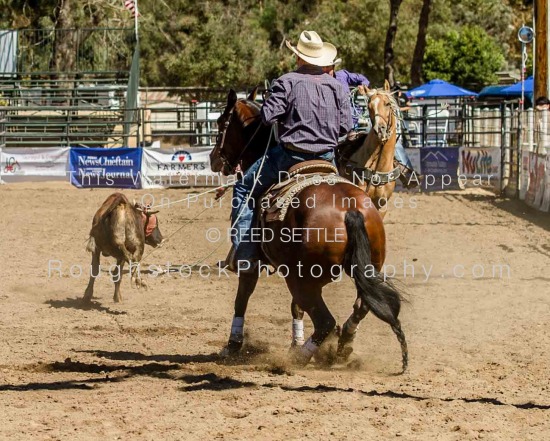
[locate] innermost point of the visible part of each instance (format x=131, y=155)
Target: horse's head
x=233, y=137
x=383, y=111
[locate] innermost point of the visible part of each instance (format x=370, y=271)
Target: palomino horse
x=353, y=241
x=371, y=166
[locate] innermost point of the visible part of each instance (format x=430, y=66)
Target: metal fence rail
x=472, y=125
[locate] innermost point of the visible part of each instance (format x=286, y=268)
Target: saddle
x=350, y=145
x=275, y=202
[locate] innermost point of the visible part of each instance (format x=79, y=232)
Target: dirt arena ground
x=148, y=368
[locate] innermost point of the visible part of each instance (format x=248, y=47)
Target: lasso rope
x=167, y=205
x=249, y=196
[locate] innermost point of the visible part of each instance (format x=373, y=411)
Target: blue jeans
x=277, y=159
x=401, y=154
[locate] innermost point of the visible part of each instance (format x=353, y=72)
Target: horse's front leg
x=307, y=295
x=247, y=284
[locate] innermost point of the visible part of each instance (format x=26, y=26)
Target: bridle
x=372, y=176
x=389, y=121
x=220, y=142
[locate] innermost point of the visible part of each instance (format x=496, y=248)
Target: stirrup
x=406, y=174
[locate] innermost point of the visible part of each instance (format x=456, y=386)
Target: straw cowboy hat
x=313, y=50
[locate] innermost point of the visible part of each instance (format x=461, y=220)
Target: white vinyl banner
x=178, y=167
x=34, y=164
x=480, y=162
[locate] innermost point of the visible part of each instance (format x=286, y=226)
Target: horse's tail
x=381, y=297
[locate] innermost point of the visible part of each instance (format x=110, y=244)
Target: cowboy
x=348, y=80
x=312, y=111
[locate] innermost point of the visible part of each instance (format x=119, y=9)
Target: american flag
x=131, y=6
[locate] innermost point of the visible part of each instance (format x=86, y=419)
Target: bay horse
x=353, y=242
x=371, y=165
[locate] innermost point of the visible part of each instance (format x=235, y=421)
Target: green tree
x=241, y=42
x=469, y=57
x=420, y=48
x=389, y=56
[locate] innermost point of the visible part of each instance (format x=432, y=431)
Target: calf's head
x=153, y=236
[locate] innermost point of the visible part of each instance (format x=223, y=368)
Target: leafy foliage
x=240, y=42
x=468, y=57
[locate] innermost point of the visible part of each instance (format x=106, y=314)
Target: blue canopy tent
x=439, y=89
x=435, y=122
x=529, y=86
x=500, y=93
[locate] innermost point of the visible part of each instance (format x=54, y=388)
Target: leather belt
x=293, y=148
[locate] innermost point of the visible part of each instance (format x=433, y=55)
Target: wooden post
x=541, y=48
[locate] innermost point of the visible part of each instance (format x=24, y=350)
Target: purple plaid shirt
x=312, y=109
x=352, y=79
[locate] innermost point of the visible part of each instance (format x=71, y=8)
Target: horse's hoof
x=232, y=348
x=301, y=355
x=299, y=358
x=345, y=346
x=344, y=353
x=294, y=351
x=327, y=353
x=225, y=352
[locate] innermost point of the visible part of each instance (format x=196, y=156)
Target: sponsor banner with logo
x=536, y=195
x=105, y=168
x=179, y=167
x=33, y=164
x=480, y=162
x=439, y=165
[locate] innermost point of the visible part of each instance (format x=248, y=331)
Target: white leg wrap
x=297, y=332
x=237, y=329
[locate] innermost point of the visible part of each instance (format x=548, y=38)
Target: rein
x=226, y=163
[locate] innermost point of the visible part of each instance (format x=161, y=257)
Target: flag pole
x=136, y=13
